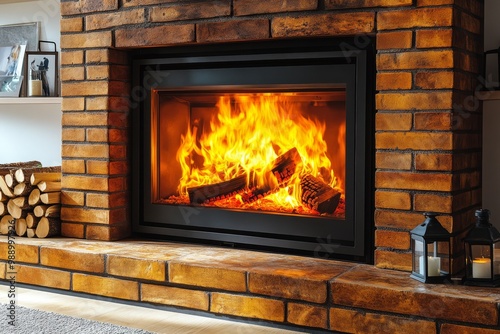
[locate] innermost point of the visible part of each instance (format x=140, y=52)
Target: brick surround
x=428, y=126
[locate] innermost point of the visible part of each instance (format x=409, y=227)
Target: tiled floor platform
x=299, y=291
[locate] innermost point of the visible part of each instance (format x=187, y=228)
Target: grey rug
x=30, y=321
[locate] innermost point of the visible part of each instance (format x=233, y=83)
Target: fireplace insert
x=256, y=145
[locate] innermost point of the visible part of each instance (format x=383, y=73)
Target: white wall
x=491, y=119
x=46, y=12
x=31, y=131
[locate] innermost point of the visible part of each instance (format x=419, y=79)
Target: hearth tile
x=153, y=250
x=248, y=307
x=281, y=285
x=353, y=321
x=262, y=262
x=392, y=291
x=207, y=276
x=51, y=278
x=106, y=286
x=307, y=315
x=20, y=252
x=153, y=270
x=198, y=300
x=71, y=259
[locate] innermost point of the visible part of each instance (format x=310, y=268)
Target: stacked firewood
x=30, y=198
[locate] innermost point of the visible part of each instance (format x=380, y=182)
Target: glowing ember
x=249, y=134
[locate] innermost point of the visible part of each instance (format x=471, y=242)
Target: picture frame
x=28, y=33
x=10, y=85
x=11, y=66
x=44, y=64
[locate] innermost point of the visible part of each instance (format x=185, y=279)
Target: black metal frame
x=318, y=65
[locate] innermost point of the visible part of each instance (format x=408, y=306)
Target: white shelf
x=30, y=100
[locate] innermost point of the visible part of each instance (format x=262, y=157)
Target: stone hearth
x=304, y=293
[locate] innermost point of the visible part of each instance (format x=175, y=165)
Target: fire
x=248, y=133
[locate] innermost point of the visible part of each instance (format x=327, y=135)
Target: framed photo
x=41, y=73
x=10, y=86
x=22, y=33
x=11, y=59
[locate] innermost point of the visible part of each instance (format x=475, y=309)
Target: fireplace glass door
x=255, y=149
x=269, y=151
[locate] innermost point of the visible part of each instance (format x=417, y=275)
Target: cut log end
x=48, y=227
x=319, y=196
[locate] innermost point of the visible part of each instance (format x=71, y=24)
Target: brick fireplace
x=427, y=129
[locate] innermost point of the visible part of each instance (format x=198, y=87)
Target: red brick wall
x=428, y=128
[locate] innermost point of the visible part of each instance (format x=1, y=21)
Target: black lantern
x=481, y=262
x=430, y=244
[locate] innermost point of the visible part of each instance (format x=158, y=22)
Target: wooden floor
x=150, y=319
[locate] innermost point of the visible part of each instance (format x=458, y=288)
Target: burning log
x=285, y=165
x=318, y=195
x=283, y=169
x=213, y=192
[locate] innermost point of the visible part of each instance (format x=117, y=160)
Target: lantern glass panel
x=433, y=259
x=418, y=251
x=496, y=258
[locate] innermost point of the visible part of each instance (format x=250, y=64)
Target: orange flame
x=248, y=133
